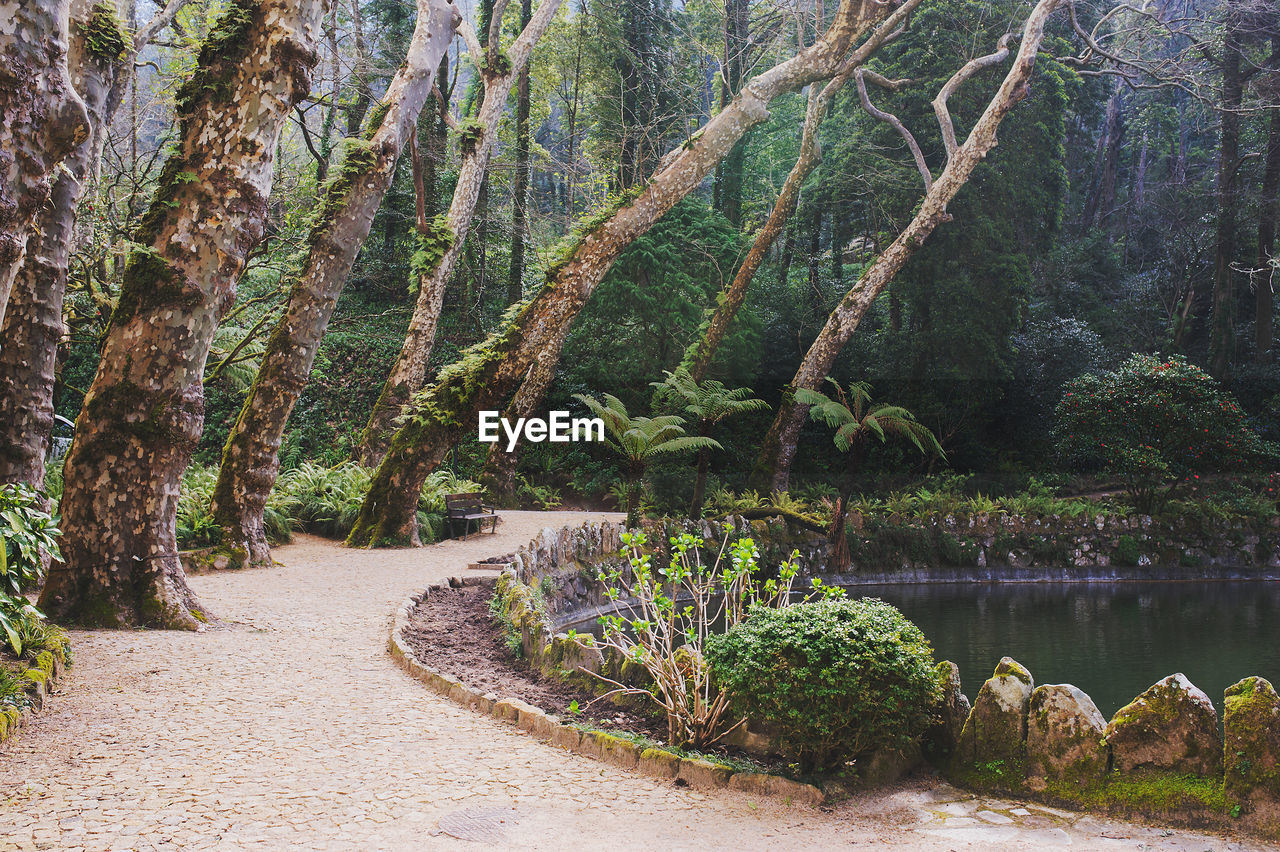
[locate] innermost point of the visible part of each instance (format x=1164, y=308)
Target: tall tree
x=733, y=70
x=489, y=373
x=145, y=409
x=100, y=59
x=498, y=70
x=1222, y=322
x=774, y=466
x=250, y=460
x=41, y=120
x=1268, y=262
x=520, y=183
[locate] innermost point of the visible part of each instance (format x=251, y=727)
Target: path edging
x=44, y=676
x=654, y=762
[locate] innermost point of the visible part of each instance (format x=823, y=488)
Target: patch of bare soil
x=452, y=632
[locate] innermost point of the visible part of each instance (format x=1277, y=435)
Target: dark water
x=1111, y=640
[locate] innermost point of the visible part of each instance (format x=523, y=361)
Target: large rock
x=1064, y=736
x=1171, y=727
x=1251, y=719
x=953, y=710
x=995, y=732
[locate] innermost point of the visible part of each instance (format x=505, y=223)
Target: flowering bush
x=1155, y=422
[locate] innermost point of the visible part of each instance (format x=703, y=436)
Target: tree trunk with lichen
x=250, y=459
x=487, y=374
x=144, y=411
x=499, y=71
x=773, y=469
x=41, y=120
x=32, y=324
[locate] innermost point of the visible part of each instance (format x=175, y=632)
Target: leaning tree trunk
x=144, y=411
x=32, y=324
x=698, y=357
x=250, y=459
x=1222, y=321
x=41, y=120
x=1267, y=259
x=488, y=373
x=774, y=466
x=499, y=71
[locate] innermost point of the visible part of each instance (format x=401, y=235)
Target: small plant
x=544, y=497
x=667, y=617
x=836, y=679
x=18, y=617
x=29, y=534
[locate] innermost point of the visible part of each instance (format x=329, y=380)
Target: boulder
x=1251, y=719
x=953, y=710
x=1064, y=736
x=1172, y=727
x=997, y=726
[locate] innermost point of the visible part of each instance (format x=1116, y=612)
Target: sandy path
x=288, y=727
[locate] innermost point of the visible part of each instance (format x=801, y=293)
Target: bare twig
x=957, y=80
x=892, y=121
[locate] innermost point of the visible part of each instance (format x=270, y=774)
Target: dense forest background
x=1099, y=226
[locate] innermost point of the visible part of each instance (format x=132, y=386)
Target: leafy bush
x=1153, y=421
x=836, y=679
x=29, y=533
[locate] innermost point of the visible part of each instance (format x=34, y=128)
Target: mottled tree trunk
x=32, y=324
x=520, y=183
x=774, y=466
x=41, y=120
x=410, y=369
x=250, y=460
x=144, y=411
x=1222, y=323
x=489, y=373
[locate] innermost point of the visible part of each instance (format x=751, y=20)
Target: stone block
x=1065, y=735
x=703, y=774
x=997, y=726
x=1251, y=720
x=1171, y=727
x=658, y=763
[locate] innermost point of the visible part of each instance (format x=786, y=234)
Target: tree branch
x=892, y=121
x=957, y=80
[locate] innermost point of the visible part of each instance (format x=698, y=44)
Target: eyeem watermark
x=558, y=427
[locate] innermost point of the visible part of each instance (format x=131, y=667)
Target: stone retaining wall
x=1162, y=753
x=44, y=676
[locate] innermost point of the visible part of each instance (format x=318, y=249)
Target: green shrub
x=1128, y=551
x=836, y=679
x=26, y=532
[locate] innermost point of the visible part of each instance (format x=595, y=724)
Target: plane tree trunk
x=250, y=459
x=499, y=71
x=42, y=119
x=144, y=411
x=773, y=468
x=488, y=373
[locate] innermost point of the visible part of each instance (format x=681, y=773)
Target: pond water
x=1111, y=640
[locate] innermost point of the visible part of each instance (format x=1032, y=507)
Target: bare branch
x=468, y=34
x=158, y=22
x=957, y=80
x=892, y=121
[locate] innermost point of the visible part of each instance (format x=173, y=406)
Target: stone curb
x=12, y=719
x=606, y=747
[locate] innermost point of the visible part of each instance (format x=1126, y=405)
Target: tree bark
x=1222, y=325
x=41, y=120
x=410, y=369
x=32, y=324
x=144, y=411
x=489, y=372
x=499, y=473
x=773, y=468
x=1270, y=211
x=699, y=356
x=250, y=459
x=728, y=189
x=520, y=185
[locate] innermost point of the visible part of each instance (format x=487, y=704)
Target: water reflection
x=1112, y=640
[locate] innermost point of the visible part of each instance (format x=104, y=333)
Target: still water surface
x=1111, y=640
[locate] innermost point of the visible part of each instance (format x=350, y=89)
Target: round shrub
x=835, y=679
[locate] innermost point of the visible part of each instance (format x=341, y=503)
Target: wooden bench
x=468, y=508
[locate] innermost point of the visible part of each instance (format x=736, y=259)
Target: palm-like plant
x=708, y=402
x=638, y=440
x=856, y=418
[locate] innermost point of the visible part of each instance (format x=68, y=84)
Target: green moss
x=433, y=244
x=373, y=121
x=357, y=159
x=564, y=250
x=1252, y=739
x=45, y=661
x=36, y=675
x=1158, y=794
x=105, y=37
x=469, y=134
x=1128, y=551
x=220, y=57
x=499, y=66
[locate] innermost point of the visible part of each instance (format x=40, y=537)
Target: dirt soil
x=452, y=632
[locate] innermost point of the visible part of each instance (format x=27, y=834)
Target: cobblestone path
x=288, y=727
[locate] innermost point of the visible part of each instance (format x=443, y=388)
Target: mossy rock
x=1172, y=727
x=1251, y=720
x=952, y=712
x=994, y=735
x=1065, y=736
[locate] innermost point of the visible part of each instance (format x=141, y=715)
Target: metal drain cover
x=479, y=824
